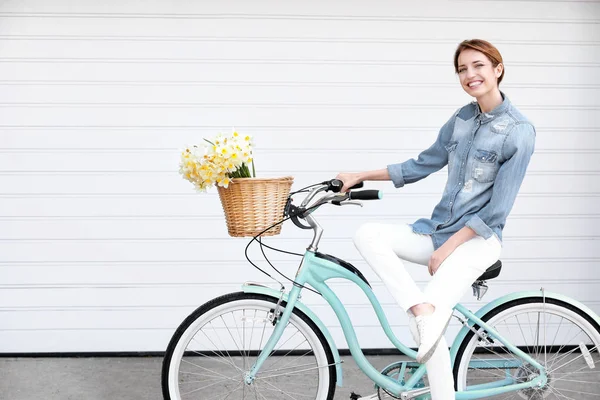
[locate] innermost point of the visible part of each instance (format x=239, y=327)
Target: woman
x=487, y=145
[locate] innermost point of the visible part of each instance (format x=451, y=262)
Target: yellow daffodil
x=217, y=161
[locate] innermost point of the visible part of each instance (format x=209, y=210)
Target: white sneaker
x=431, y=328
x=414, y=330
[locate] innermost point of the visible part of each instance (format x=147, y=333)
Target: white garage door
x=103, y=247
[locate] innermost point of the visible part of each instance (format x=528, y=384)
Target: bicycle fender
x=514, y=296
x=310, y=314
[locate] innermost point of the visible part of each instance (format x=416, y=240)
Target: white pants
x=384, y=247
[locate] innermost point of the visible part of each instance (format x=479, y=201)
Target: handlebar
x=334, y=185
x=365, y=195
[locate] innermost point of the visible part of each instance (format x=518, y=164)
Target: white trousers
x=384, y=247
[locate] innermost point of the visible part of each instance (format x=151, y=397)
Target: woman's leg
x=454, y=277
x=458, y=272
x=381, y=245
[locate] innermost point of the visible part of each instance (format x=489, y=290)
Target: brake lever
x=350, y=202
x=343, y=202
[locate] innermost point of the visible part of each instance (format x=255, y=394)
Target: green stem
x=253, y=170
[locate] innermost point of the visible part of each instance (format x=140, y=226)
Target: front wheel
x=213, y=349
x=557, y=335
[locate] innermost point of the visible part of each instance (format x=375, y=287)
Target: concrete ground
x=133, y=378
x=138, y=378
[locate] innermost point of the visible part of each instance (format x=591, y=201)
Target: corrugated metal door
x=103, y=247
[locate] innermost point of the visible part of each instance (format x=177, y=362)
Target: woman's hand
x=438, y=257
x=349, y=179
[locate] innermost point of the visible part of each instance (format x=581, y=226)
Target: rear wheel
x=213, y=349
x=558, y=335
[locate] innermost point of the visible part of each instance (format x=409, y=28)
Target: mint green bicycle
x=264, y=343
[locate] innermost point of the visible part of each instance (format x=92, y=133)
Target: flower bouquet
x=250, y=204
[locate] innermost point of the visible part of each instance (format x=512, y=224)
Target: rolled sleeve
x=480, y=227
x=429, y=161
x=395, y=172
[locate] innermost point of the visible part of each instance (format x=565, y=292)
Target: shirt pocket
x=485, y=167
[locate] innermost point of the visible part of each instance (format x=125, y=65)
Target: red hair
x=490, y=51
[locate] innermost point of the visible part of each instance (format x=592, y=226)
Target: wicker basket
x=251, y=205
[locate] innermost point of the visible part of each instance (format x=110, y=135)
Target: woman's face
x=476, y=73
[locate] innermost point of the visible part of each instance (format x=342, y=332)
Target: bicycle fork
x=280, y=324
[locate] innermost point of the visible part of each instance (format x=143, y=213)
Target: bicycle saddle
x=492, y=272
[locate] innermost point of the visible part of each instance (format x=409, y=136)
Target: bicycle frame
x=316, y=270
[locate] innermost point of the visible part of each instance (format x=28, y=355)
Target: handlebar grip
x=365, y=195
x=335, y=185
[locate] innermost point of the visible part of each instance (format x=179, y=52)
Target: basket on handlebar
x=251, y=205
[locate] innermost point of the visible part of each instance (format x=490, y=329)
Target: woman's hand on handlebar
x=349, y=179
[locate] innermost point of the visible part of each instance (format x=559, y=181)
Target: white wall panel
x=103, y=247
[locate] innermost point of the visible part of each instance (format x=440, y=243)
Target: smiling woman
x=487, y=146
x=472, y=62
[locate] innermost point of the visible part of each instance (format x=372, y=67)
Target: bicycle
x=268, y=339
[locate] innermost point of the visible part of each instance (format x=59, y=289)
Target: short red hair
x=490, y=51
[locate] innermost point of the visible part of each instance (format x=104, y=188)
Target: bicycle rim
x=214, y=349
x=557, y=335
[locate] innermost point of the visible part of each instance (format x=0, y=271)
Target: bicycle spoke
x=204, y=387
x=231, y=335
x=545, y=332
x=578, y=372
x=489, y=372
x=557, y=393
x=244, y=336
x=294, y=373
x=209, y=370
x=279, y=390
x=523, y=333
x=554, y=360
x=199, y=374
x=241, y=385
x=243, y=351
x=294, y=393
x=282, y=357
x=296, y=359
x=219, y=337
x=533, y=336
x=579, y=392
x=572, y=361
x=255, y=386
x=230, y=393
x=283, y=368
x=220, y=359
x=280, y=346
x=252, y=331
x=262, y=336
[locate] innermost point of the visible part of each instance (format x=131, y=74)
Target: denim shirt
x=487, y=155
